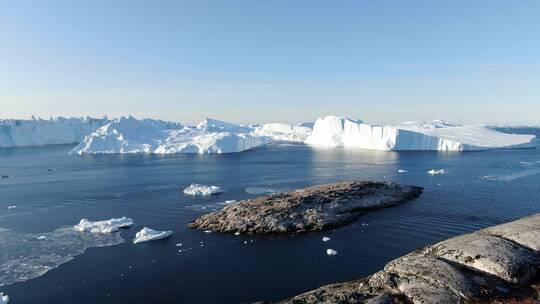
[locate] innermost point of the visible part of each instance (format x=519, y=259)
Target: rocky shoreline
x=500, y=264
x=310, y=209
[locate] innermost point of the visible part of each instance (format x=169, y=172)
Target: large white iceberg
x=108, y=226
x=130, y=135
x=39, y=132
x=332, y=131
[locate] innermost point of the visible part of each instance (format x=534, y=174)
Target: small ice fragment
x=402, y=171
x=41, y=237
x=325, y=239
x=245, y=242
x=436, y=172
x=237, y=233
x=12, y=207
x=146, y=234
x=331, y=252
x=179, y=245
x=4, y=299
x=198, y=189
x=228, y=202
x=208, y=231
x=107, y=226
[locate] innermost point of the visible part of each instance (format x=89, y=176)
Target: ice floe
x=38, y=132
x=147, y=234
x=4, y=298
x=402, y=171
x=436, y=172
x=198, y=189
x=333, y=131
x=511, y=177
x=331, y=252
x=131, y=135
x=12, y=207
x=27, y=255
x=107, y=226
x=326, y=239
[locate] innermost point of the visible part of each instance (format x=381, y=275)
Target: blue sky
x=245, y=61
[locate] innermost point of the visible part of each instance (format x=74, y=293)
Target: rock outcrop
x=500, y=264
x=309, y=209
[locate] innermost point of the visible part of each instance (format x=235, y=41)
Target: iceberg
x=147, y=234
x=198, y=189
x=131, y=135
x=333, y=131
x=40, y=132
x=108, y=226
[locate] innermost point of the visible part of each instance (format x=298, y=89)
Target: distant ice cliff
x=333, y=131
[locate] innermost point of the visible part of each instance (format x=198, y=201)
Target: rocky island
x=310, y=209
x=499, y=264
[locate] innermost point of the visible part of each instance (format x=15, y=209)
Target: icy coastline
x=131, y=135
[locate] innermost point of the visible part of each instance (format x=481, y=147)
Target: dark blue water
x=479, y=190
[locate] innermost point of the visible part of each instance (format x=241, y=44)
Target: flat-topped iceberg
x=332, y=131
x=40, y=132
x=147, y=234
x=131, y=135
x=108, y=226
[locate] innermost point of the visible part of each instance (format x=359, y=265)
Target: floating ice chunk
x=402, y=171
x=326, y=239
x=12, y=207
x=259, y=190
x=208, y=231
x=4, y=299
x=41, y=237
x=198, y=189
x=147, y=234
x=331, y=252
x=332, y=131
x=107, y=226
x=237, y=233
x=179, y=245
x=436, y=172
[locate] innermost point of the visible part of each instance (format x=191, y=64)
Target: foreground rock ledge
x=496, y=265
x=309, y=209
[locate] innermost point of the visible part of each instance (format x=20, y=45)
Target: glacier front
x=131, y=135
x=333, y=131
x=40, y=132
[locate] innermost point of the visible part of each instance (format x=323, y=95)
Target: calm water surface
x=479, y=190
